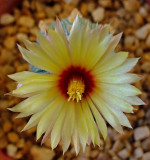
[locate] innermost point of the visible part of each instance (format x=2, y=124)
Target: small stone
x=26, y=21
x=10, y=42
x=146, y=67
x=3, y=142
x=143, y=12
x=129, y=41
x=105, y=3
x=13, y=137
x=91, y=6
x=21, y=36
x=21, y=143
x=98, y=14
x=41, y=153
x=139, y=19
x=57, y=8
x=146, y=144
x=138, y=152
x=7, y=126
x=142, y=32
x=148, y=41
x=131, y=5
x=11, y=150
x=103, y=156
x=118, y=145
x=7, y=69
x=124, y=154
x=6, y=19
x=141, y=133
x=75, y=2
x=146, y=156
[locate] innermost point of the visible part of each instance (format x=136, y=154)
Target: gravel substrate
x=132, y=17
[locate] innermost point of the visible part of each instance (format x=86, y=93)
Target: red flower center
x=76, y=79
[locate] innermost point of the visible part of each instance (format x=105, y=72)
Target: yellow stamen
x=76, y=88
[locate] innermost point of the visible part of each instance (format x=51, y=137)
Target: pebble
x=141, y=133
x=7, y=126
x=105, y=3
x=26, y=21
x=98, y=14
x=124, y=154
x=143, y=11
x=146, y=144
x=146, y=156
x=6, y=19
x=138, y=152
x=131, y=5
x=142, y=32
x=42, y=153
x=148, y=41
x=10, y=42
x=21, y=36
x=146, y=67
x=13, y=137
x=129, y=41
x=11, y=150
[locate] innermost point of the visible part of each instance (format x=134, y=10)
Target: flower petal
x=49, y=116
x=120, y=89
x=82, y=126
x=107, y=113
x=68, y=126
x=119, y=79
x=123, y=68
x=56, y=131
x=39, y=61
x=113, y=61
x=99, y=119
x=92, y=128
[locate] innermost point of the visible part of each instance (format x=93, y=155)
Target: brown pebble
x=26, y=21
x=7, y=126
x=138, y=152
x=146, y=156
x=146, y=144
x=10, y=42
x=141, y=133
x=13, y=137
x=124, y=154
x=42, y=153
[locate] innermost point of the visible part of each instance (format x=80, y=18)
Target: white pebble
x=98, y=14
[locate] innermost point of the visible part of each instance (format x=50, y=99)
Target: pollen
x=76, y=89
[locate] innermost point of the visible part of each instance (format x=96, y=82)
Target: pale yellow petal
x=123, y=68
x=56, y=131
x=134, y=100
x=116, y=102
x=82, y=126
x=68, y=126
x=34, y=104
x=107, y=113
x=39, y=61
x=33, y=121
x=76, y=140
x=31, y=89
x=99, y=119
x=112, y=45
x=113, y=61
x=120, y=89
x=49, y=116
x=121, y=117
x=92, y=128
x=119, y=79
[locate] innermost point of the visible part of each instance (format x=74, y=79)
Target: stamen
x=76, y=88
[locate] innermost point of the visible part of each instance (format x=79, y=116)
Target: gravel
x=130, y=17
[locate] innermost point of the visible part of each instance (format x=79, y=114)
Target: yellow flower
x=88, y=82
